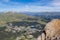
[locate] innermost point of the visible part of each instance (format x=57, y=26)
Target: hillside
x=19, y=25
x=23, y=26
x=10, y=17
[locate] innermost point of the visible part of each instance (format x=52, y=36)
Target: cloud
x=55, y=3
x=32, y=7
x=40, y=9
x=15, y=3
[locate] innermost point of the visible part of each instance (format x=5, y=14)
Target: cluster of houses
x=27, y=26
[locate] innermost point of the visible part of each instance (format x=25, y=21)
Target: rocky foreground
x=52, y=31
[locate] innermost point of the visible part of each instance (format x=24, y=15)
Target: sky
x=30, y=5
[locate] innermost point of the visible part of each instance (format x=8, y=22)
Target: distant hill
x=41, y=13
x=52, y=15
x=35, y=13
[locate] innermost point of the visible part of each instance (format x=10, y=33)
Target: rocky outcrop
x=41, y=37
x=52, y=30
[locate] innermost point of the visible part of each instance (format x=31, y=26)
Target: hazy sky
x=30, y=5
